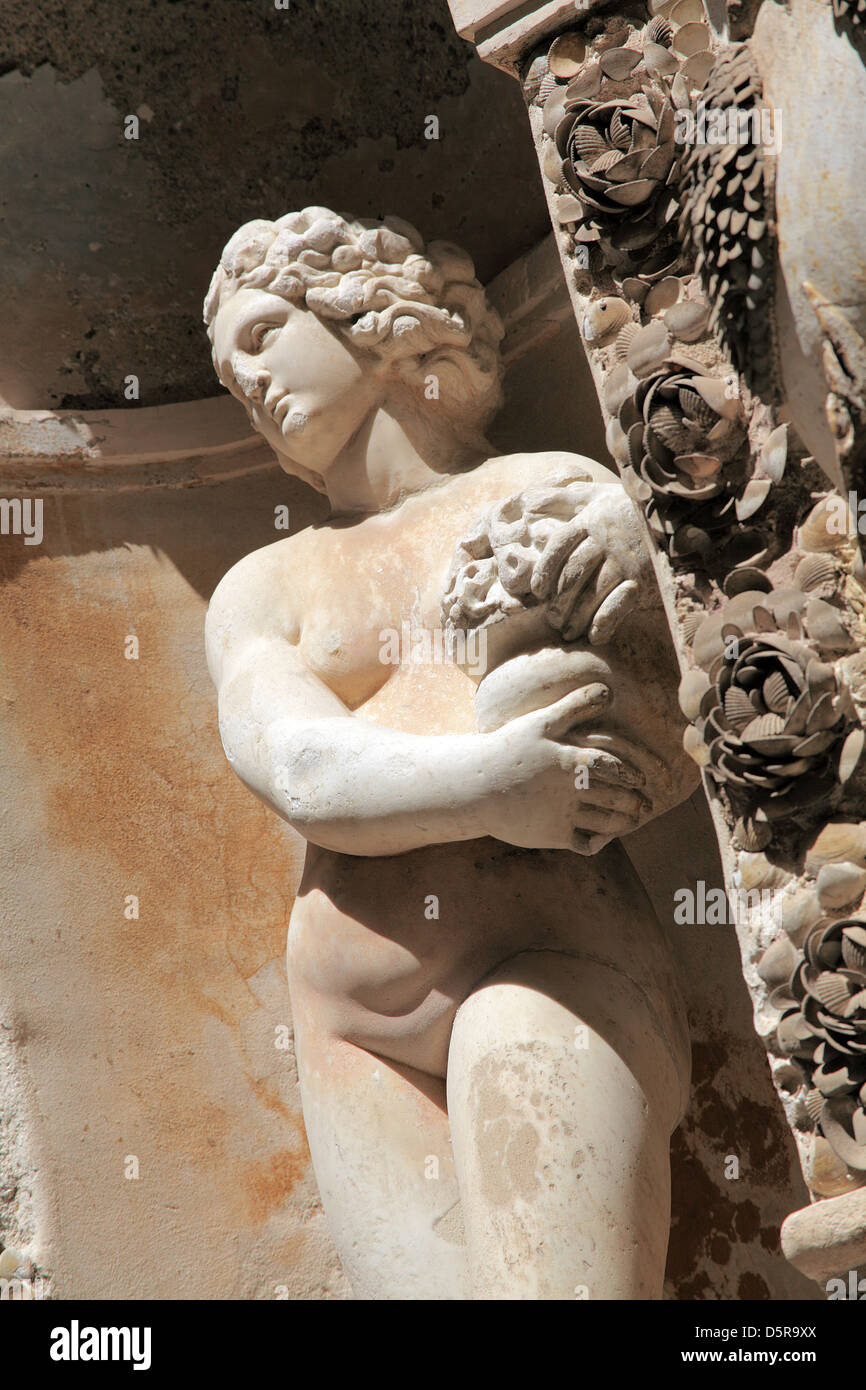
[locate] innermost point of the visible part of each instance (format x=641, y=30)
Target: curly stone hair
x=420, y=307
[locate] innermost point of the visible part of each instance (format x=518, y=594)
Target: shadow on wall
x=242, y=111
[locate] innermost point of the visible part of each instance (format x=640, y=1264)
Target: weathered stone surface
x=241, y=107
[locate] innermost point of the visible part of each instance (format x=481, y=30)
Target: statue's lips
x=280, y=410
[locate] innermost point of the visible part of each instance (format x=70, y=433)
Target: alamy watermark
x=730, y=125
x=713, y=907
x=434, y=646
x=22, y=517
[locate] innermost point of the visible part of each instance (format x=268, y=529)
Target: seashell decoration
x=852, y=10
x=683, y=439
x=813, y=571
x=838, y=842
x=687, y=320
x=756, y=871
x=823, y=1027
x=771, y=719
x=659, y=31
x=618, y=159
x=839, y=884
x=725, y=223
x=826, y=527
x=752, y=833
x=604, y=318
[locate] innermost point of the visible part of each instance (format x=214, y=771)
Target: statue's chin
x=297, y=470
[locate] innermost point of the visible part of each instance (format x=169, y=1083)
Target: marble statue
x=460, y=691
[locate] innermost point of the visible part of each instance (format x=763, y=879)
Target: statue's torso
x=384, y=950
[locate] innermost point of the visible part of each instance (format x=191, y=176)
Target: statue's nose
x=253, y=381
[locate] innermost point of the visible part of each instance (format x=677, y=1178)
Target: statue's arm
x=360, y=788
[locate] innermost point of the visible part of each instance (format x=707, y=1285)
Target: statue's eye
x=259, y=334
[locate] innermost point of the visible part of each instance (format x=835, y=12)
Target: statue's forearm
x=363, y=789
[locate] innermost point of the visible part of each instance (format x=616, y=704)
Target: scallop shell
x=751, y=834
x=826, y=1173
x=852, y=751
x=756, y=871
x=670, y=429
x=624, y=340
x=617, y=63
x=695, y=407
x=659, y=30
x=854, y=948
x=777, y=696
x=687, y=320
x=604, y=318
x=688, y=11
x=589, y=143
x=799, y=914
x=777, y=963
x=693, y=687
x=814, y=1103
x=649, y=348
x=825, y=627
x=566, y=56
x=838, y=842
x=739, y=710
x=690, y=624
x=814, y=570
x=663, y=295
x=821, y=530
x=692, y=37
x=839, y=884
x=831, y=988
x=765, y=726
x=774, y=453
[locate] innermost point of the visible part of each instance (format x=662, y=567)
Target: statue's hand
x=592, y=567
x=551, y=792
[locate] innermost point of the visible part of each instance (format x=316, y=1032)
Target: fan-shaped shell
x=687, y=320
x=831, y=989
x=752, y=835
x=814, y=570
x=838, y=841
x=696, y=408
x=854, y=948
x=756, y=871
x=690, y=624
x=838, y=884
x=765, y=726
x=777, y=696
x=670, y=429
x=826, y=526
x=588, y=142
x=659, y=30
x=739, y=710
x=566, y=55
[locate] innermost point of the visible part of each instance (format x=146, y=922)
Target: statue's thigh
x=559, y=1096
x=380, y=1144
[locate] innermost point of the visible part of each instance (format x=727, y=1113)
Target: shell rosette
x=619, y=159
x=823, y=1026
x=769, y=721
x=684, y=443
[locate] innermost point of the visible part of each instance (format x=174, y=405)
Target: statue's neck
x=395, y=453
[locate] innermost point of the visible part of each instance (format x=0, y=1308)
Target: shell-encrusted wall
x=659, y=154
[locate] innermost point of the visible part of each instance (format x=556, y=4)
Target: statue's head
x=316, y=319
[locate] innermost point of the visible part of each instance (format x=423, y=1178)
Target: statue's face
x=305, y=390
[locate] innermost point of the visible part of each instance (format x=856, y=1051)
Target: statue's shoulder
x=254, y=596
x=532, y=469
